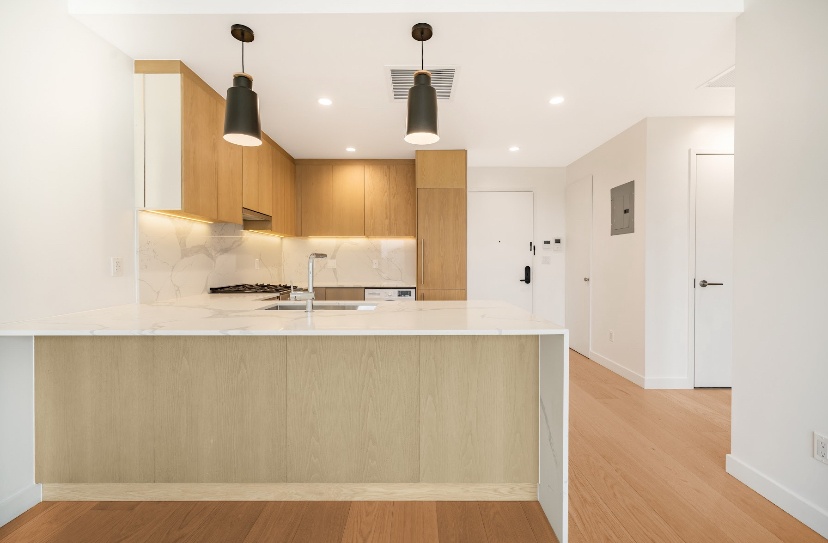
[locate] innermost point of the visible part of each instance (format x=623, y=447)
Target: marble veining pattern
x=243, y=314
x=396, y=260
x=179, y=258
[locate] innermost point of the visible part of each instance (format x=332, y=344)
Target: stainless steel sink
x=322, y=306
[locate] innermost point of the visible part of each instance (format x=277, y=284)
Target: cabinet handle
x=422, y=262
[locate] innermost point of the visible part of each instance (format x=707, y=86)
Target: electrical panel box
x=622, y=207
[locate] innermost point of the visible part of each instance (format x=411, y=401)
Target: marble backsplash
x=396, y=261
x=179, y=257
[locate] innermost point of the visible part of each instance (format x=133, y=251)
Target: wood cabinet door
x=278, y=223
x=345, y=293
x=441, y=169
x=316, y=182
x=348, y=200
x=267, y=152
x=291, y=216
x=441, y=238
x=432, y=295
x=250, y=177
x=229, y=172
x=198, y=157
x=390, y=200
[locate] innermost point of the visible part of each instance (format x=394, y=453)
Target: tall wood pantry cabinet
x=441, y=225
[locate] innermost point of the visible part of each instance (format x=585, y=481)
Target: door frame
x=591, y=178
x=691, y=261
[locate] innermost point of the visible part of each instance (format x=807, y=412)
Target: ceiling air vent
x=725, y=80
x=442, y=79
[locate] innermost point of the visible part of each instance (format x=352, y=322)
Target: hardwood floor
x=280, y=522
x=645, y=466
x=649, y=465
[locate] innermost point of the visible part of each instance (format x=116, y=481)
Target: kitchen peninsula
x=215, y=398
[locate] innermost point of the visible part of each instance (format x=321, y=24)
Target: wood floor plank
x=369, y=522
x=505, y=522
x=460, y=522
x=49, y=522
x=640, y=521
x=322, y=522
x=414, y=522
x=29, y=515
x=590, y=520
x=279, y=521
x=230, y=521
x=538, y=522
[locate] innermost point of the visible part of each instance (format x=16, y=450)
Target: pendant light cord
x=422, y=56
x=243, y=57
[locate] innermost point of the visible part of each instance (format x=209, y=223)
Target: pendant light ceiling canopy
x=421, y=126
x=241, y=116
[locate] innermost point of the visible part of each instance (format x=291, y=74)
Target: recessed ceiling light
x=350, y=149
x=325, y=101
x=555, y=100
x=514, y=148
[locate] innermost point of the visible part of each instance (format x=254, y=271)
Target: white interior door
x=578, y=262
x=713, y=342
x=500, y=233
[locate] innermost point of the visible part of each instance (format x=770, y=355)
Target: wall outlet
x=612, y=336
x=375, y=264
x=331, y=264
x=257, y=263
x=821, y=448
x=546, y=260
x=116, y=266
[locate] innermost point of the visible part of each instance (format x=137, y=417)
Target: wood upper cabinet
x=390, y=200
x=257, y=193
x=316, y=182
x=348, y=200
x=284, y=194
x=333, y=199
x=180, y=123
x=441, y=169
x=441, y=239
x=229, y=173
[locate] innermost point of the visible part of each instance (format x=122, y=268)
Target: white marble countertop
x=241, y=314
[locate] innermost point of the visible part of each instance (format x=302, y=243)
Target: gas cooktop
x=251, y=289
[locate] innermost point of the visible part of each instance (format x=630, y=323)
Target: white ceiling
x=613, y=68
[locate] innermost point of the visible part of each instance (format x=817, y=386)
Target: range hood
x=250, y=215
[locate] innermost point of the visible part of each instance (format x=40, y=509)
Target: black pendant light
x=421, y=128
x=241, y=115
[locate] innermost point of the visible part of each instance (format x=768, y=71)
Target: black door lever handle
x=527, y=275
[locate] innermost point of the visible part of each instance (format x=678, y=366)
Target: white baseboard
x=668, y=383
x=18, y=503
x=618, y=368
x=808, y=513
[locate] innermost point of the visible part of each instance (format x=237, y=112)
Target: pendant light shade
x=421, y=126
x=242, y=125
x=241, y=115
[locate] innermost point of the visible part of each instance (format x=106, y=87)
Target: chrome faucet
x=308, y=296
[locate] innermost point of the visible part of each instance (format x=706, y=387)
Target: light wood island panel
x=440, y=415
x=160, y=409
x=479, y=409
x=367, y=387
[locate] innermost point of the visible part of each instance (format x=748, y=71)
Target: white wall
x=666, y=252
x=617, y=277
x=549, y=186
x=780, y=372
x=66, y=194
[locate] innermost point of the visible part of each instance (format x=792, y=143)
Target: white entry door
x=713, y=292
x=500, y=238
x=578, y=262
